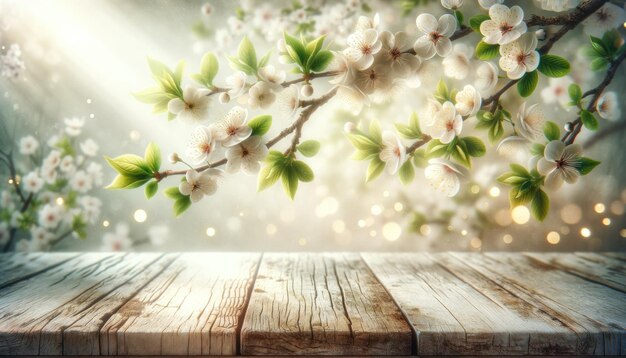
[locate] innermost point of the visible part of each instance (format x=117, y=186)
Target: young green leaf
x=551, y=131
x=125, y=182
x=575, y=93
x=374, y=169
x=476, y=20
x=290, y=181
x=407, y=172
x=247, y=54
x=151, y=189
x=411, y=130
x=485, y=51
x=474, y=146
x=527, y=84
x=309, y=148
x=181, y=204
x=130, y=165
x=599, y=64
x=260, y=124
x=320, y=61
x=586, y=165
x=539, y=205
x=553, y=66
x=269, y=175
x=303, y=171
x=589, y=120
x=208, y=70
x=153, y=157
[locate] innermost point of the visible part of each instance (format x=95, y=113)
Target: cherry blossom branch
x=413, y=147
x=570, y=137
x=61, y=237
x=309, y=106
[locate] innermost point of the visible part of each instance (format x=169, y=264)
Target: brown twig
x=413, y=147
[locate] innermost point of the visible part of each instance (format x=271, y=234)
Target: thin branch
x=413, y=147
x=60, y=238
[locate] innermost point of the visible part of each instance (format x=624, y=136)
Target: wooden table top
x=312, y=304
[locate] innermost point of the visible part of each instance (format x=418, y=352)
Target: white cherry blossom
x=365, y=23
x=452, y=4
x=40, y=238
x=373, y=79
x=28, y=145
x=436, y=35
x=520, y=56
x=50, y=216
x=197, y=185
x=273, y=77
x=393, y=152
x=246, y=155
x=394, y=52
x=486, y=76
x=236, y=83
x=445, y=176
x=89, y=147
x=201, y=144
x=608, y=17
x=81, y=182
x=95, y=172
x=486, y=4
x=529, y=121
x=446, y=124
x=193, y=107
x=504, y=26
x=468, y=101
x=608, y=106
x=556, y=91
x=67, y=165
x=74, y=126
x=458, y=63
x=558, y=5
x=363, y=45
x=118, y=240
x=559, y=164
x=288, y=100
x=32, y=182
x=233, y=129
x=261, y=95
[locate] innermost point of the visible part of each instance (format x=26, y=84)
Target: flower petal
x=426, y=23
x=554, y=150
x=443, y=46
x=446, y=25
x=424, y=48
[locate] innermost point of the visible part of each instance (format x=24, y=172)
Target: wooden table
x=313, y=304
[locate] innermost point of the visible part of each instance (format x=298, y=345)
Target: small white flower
x=74, y=126
x=50, y=216
x=273, y=77
x=246, y=155
x=529, y=121
x=560, y=163
x=32, y=182
x=201, y=144
x=436, y=35
x=40, y=236
x=23, y=245
x=363, y=45
x=81, y=182
x=452, y=4
x=288, y=100
x=52, y=160
x=345, y=69
x=486, y=76
x=608, y=106
x=458, y=63
x=49, y=175
x=365, y=23
x=89, y=148
x=158, y=234
x=95, y=172
x=197, y=185
x=556, y=91
x=395, y=53
x=486, y=4
x=445, y=176
x=608, y=17
x=67, y=165
x=118, y=240
x=447, y=124
x=90, y=208
x=504, y=26
x=373, y=79
x=193, y=107
x=520, y=56
x=28, y=145
x=236, y=84
x=393, y=152
x=233, y=128
x=261, y=95
x=206, y=9
x=468, y=101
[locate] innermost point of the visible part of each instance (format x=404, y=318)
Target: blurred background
x=85, y=59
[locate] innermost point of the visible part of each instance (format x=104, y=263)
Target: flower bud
x=224, y=98
x=541, y=34
x=207, y=9
x=306, y=91
x=349, y=127
x=174, y=158
x=568, y=127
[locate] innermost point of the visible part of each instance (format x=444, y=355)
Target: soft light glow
x=376, y=210
x=585, y=232
x=361, y=223
x=503, y=217
x=60, y=201
x=425, y=230
x=553, y=237
x=88, y=100
x=271, y=229
x=599, y=208
x=520, y=215
x=507, y=238
x=134, y=135
x=476, y=243
x=617, y=207
x=328, y=206
x=302, y=241
x=339, y=226
x=571, y=214
x=464, y=232
x=622, y=233
x=140, y=215
x=475, y=189
x=398, y=206
x=391, y=231
x=494, y=191
x=210, y=231
x=106, y=223
x=606, y=221
x=373, y=233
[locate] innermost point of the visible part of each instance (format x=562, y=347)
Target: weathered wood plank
x=35, y=312
x=596, y=312
x=19, y=266
x=458, y=311
x=193, y=308
x=327, y=304
x=591, y=266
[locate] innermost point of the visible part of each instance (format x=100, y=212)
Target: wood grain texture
x=458, y=311
x=595, y=312
x=321, y=304
x=194, y=307
x=34, y=313
x=18, y=266
x=591, y=266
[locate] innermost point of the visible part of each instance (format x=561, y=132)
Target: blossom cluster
x=11, y=63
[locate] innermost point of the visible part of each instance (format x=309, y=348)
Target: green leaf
x=476, y=20
x=537, y=149
x=173, y=193
x=247, y=54
x=458, y=153
x=419, y=158
x=374, y=169
x=260, y=124
x=153, y=157
x=181, y=204
x=303, y=171
x=363, y=142
x=459, y=17
x=519, y=170
x=375, y=132
x=151, y=189
x=599, y=47
x=130, y=165
x=575, y=93
x=296, y=50
x=496, y=131
x=474, y=146
x=208, y=70
x=158, y=68
x=551, y=131
x=527, y=84
x=485, y=51
x=265, y=59
x=553, y=66
x=599, y=64
x=411, y=130
x=442, y=93
x=125, y=182
x=320, y=61
x=268, y=176
x=539, y=205
x=407, y=172
x=290, y=181
x=589, y=120
x=309, y=148
x=586, y=165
